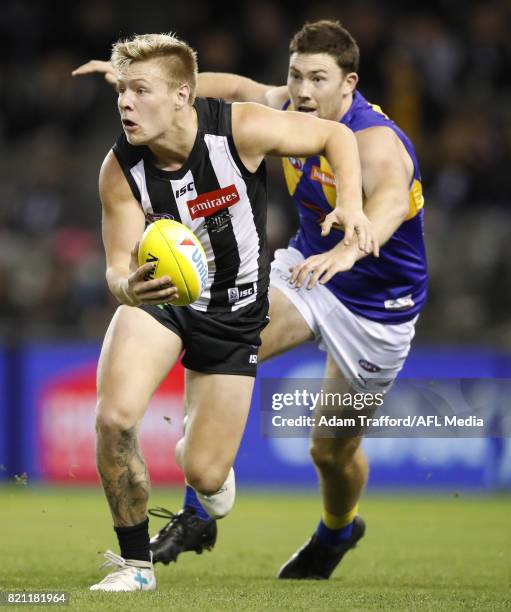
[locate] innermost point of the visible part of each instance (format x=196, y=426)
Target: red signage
x=67, y=428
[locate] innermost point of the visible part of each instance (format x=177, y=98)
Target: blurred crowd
x=442, y=71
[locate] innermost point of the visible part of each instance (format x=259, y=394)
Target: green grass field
x=419, y=553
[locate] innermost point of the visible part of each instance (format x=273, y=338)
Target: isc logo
x=246, y=292
x=252, y=359
x=182, y=190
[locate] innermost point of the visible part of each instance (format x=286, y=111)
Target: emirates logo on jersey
x=209, y=203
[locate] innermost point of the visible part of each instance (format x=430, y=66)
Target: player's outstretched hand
x=354, y=222
x=97, y=67
x=323, y=266
x=140, y=288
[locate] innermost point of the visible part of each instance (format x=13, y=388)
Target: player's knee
x=333, y=455
x=111, y=420
x=207, y=480
x=323, y=458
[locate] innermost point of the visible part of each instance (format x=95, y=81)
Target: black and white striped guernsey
x=217, y=198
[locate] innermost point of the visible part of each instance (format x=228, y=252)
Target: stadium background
x=443, y=72
x=438, y=524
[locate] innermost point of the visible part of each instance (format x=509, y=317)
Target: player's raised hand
x=141, y=288
x=97, y=67
x=354, y=222
x=323, y=266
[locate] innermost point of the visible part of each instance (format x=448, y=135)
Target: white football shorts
x=368, y=353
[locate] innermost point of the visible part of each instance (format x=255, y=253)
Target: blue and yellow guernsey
x=391, y=289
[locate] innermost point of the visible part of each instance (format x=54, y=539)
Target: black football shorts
x=220, y=342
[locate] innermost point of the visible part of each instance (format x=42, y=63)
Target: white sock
x=220, y=503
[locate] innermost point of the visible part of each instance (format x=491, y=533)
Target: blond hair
x=179, y=59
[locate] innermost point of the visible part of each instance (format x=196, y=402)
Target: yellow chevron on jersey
x=293, y=172
x=325, y=176
x=415, y=199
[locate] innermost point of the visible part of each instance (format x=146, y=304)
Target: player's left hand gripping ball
x=176, y=252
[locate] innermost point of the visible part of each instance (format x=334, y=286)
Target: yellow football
x=177, y=253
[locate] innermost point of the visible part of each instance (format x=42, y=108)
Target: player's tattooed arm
x=125, y=478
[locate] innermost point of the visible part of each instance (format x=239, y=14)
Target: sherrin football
x=177, y=253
